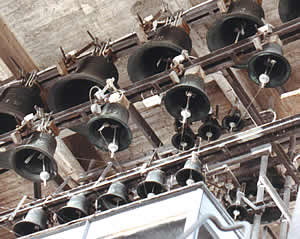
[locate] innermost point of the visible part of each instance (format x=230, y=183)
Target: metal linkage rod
x=259, y=196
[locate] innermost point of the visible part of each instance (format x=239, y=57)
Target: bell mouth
x=176, y=100
x=123, y=133
x=280, y=72
x=239, y=123
x=150, y=59
x=144, y=188
x=69, y=214
x=289, y=10
x=183, y=141
x=8, y=122
x=109, y=201
x=28, y=162
x=213, y=129
x=185, y=173
x=24, y=228
x=224, y=31
x=243, y=213
x=71, y=90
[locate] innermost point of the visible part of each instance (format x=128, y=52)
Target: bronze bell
x=240, y=22
x=35, y=157
x=153, y=184
x=35, y=220
x=188, y=100
x=238, y=212
x=109, y=131
x=115, y=196
x=190, y=173
x=156, y=55
x=269, y=68
x=233, y=121
x=73, y=89
x=210, y=130
x=77, y=207
x=185, y=139
x=289, y=10
x=16, y=102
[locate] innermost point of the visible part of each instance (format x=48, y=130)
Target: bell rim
x=211, y=33
x=128, y=130
x=253, y=77
x=134, y=58
x=167, y=102
x=180, y=176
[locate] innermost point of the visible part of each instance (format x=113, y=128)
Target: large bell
x=190, y=173
x=184, y=139
x=210, y=130
x=77, y=207
x=15, y=103
x=289, y=10
x=109, y=130
x=35, y=158
x=269, y=68
x=35, y=220
x=156, y=55
x=153, y=184
x=188, y=100
x=240, y=22
x=73, y=89
x=116, y=196
x=233, y=121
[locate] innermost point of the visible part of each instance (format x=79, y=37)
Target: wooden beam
x=67, y=164
x=144, y=127
x=10, y=47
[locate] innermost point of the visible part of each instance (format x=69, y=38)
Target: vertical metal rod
x=86, y=229
x=286, y=199
x=294, y=226
x=259, y=196
x=37, y=190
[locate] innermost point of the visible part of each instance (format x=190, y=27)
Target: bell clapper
x=27, y=161
x=113, y=146
x=105, y=125
x=240, y=31
x=186, y=113
x=209, y=135
x=232, y=125
x=264, y=78
x=236, y=213
x=44, y=175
